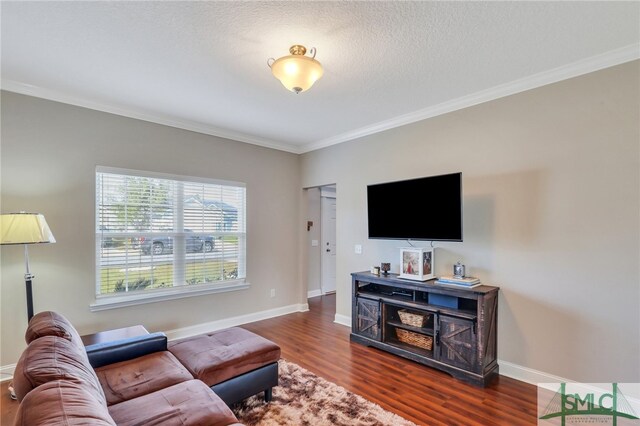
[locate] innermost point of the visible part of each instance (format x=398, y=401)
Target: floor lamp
x=25, y=228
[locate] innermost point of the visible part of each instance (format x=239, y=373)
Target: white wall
x=49, y=153
x=551, y=215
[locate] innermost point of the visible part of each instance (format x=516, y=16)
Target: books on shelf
x=457, y=285
x=468, y=282
x=456, y=280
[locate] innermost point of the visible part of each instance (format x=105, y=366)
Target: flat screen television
x=427, y=208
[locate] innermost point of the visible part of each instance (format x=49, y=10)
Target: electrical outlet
x=358, y=249
x=273, y=292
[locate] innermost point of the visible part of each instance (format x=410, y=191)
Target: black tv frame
x=392, y=192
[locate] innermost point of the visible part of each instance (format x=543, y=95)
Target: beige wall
x=49, y=153
x=551, y=215
x=552, y=212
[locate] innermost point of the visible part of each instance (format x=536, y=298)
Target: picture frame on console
x=416, y=263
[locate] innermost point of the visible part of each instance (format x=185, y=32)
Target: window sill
x=103, y=303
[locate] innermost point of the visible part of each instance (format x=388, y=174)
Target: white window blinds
x=155, y=232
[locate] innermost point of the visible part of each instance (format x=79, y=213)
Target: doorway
x=321, y=240
x=328, y=242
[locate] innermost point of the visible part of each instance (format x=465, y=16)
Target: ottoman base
x=248, y=384
x=235, y=363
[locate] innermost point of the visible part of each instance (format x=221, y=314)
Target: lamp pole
x=27, y=280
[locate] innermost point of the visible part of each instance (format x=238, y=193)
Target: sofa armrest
x=122, y=350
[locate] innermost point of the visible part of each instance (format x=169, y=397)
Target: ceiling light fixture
x=297, y=72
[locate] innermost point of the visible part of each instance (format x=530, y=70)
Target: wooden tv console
x=460, y=325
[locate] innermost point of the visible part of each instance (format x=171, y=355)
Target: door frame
x=324, y=194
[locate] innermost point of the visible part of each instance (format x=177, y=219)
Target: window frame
x=181, y=290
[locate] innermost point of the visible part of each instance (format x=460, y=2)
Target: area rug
x=306, y=399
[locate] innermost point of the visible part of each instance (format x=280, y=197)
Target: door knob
x=328, y=250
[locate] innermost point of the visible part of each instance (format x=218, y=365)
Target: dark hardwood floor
x=417, y=393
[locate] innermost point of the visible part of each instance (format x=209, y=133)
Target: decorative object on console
x=25, y=228
x=458, y=270
x=375, y=270
x=415, y=339
x=468, y=282
x=416, y=263
x=412, y=318
x=385, y=267
x=297, y=72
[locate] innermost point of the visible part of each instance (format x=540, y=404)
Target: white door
x=328, y=245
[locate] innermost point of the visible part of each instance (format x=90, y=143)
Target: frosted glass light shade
x=24, y=228
x=297, y=72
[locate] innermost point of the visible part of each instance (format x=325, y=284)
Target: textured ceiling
x=202, y=65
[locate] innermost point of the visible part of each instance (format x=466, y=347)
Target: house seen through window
x=157, y=232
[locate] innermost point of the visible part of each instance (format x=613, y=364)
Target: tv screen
x=428, y=208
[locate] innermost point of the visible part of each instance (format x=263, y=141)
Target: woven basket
x=415, y=339
x=411, y=318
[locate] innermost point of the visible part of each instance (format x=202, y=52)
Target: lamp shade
x=24, y=228
x=297, y=72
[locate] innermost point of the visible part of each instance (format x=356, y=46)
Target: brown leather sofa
x=145, y=385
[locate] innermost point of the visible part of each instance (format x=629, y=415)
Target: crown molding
x=575, y=69
x=57, y=96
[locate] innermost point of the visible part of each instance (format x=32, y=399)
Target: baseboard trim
x=314, y=293
x=528, y=375
x=180, y=333
x=304, y=307
x=550, y=381
x=342, y=320
x=6, y=372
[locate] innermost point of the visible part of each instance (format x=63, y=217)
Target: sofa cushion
x=51, y=324
x=52, y=358
x=187, y=403
x=221, y=355
x=139, y=376
x=62, y=403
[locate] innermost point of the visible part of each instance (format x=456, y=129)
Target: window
x=167, y=236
